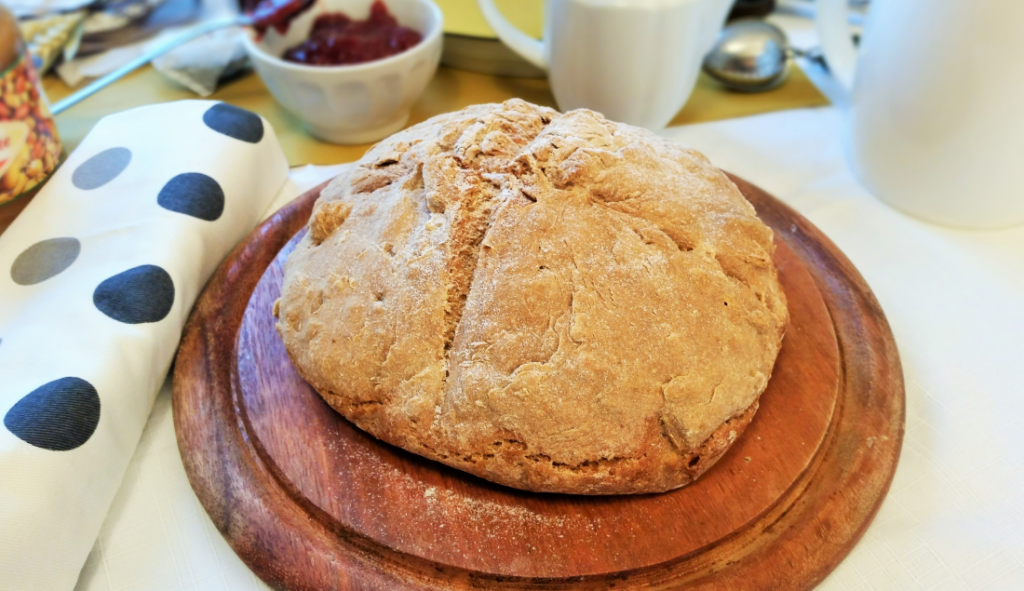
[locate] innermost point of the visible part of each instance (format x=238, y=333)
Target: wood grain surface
x=311, y=502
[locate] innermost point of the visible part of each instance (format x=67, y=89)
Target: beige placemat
x=448, y=91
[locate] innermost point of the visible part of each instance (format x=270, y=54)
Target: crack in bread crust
x=552, y=302
x=469, y=228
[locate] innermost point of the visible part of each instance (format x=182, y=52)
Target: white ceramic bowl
x=351, y=104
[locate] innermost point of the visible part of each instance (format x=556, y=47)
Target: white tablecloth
x=954, y=518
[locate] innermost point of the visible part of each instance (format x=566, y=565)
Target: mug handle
x=527, y=47
x=836, y=41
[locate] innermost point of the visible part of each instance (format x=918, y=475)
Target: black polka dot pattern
x=64, y=414
x=194, y=194
x=44, y=260
x=234, y=122
x=101, y=168
x=136, y=296
x=60, y=416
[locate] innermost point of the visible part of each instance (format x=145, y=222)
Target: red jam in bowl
x=338, y=40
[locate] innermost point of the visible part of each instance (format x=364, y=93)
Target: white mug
x=635, y=61
x=935, y=125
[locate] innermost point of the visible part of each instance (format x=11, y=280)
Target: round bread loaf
x=552, y=302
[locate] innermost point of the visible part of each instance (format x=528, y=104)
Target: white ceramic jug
x=935, y=125
x=635, y=61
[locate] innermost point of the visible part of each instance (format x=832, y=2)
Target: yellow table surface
x=448, y=91
x=463, y=17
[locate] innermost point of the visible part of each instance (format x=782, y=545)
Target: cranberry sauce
x=337, y=39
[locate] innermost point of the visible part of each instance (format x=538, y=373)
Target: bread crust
x=556, y=303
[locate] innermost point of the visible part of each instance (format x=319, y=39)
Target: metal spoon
x=267, y=14
x=149, y=55
x=750, y=55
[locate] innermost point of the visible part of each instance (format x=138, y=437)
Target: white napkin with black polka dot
x=97, y=277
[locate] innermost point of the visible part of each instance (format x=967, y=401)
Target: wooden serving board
x=310, y=502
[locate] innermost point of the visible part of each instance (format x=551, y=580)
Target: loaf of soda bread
x=552, y=302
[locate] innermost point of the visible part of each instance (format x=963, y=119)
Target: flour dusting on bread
x=551, y=302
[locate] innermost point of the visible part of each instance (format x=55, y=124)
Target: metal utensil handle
x=148, y=56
